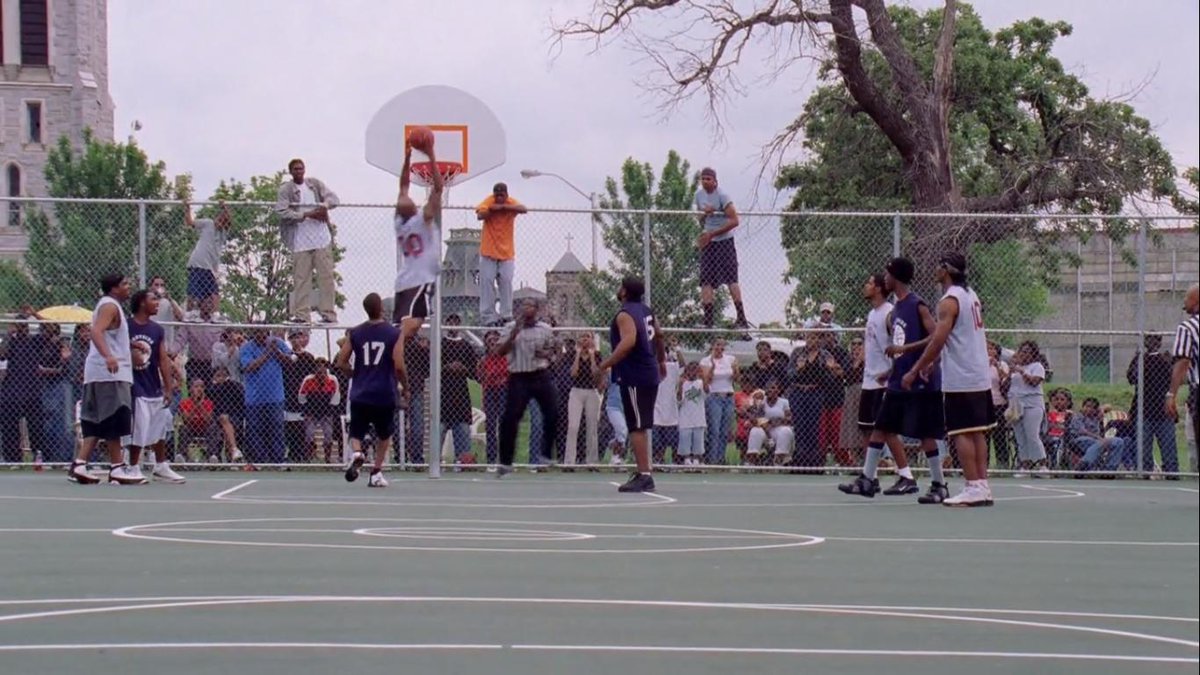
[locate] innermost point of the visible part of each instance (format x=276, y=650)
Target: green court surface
x=272, y=573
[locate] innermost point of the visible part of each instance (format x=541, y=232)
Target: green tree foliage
x=72, y=245
x=675, y=271
x=256, y=267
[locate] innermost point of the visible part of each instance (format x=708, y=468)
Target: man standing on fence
x=1187, y=361
x=497, y=255
x=303, y=205
x=639, y=363
x=960, y=343
x=106, y=411
x=718, y=253
x=204, y=299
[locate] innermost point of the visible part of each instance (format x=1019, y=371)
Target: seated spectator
x=1058, y=421
x=771, y=431
x=743, y=399
x=197, y=413
x=1088, y=437
x=229, y=408
x=318, y=397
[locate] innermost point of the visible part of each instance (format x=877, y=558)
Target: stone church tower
x=564, y=290
x=53, y=82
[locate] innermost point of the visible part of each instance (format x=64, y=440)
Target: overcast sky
x=236, y=91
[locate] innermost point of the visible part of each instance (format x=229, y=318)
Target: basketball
x=421, y=138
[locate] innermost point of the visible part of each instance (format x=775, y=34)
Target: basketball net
x=425, y=170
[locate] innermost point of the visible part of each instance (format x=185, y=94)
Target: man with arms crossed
x=417, y=259
x=638, y=362
x=106, y=410
x=966, y=380
x=153, y=386
x=378, y=358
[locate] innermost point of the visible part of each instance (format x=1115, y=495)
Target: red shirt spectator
x=493, y=371
x=196, y=409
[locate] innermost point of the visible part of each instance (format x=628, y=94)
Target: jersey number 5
x=373, y=353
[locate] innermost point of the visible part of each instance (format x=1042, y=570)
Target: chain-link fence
x=784, y=296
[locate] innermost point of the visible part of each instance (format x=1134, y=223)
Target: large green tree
x=674, y=271
x=917, y=111
x=257, y=268
x=72, y=244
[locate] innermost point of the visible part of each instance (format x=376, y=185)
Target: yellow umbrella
x=66, y=314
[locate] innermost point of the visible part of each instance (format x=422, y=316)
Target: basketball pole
x=435, y=354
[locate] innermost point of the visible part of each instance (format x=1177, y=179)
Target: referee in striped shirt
x=1187, y=360
x=529, y=348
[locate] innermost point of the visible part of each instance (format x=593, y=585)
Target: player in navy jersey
x=153, y=386
x=916, y=412
x=638, y=362
x=377, y=354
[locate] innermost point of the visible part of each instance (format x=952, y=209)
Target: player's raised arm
x=406, y=172
x=433, y=205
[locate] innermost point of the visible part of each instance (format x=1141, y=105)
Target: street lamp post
x=591, y=197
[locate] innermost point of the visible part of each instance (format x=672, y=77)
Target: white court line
x=235, y=488
x=1061, y=542
x=913, y=653
x=825, y=609
x=665, y=499
x=358, y=646
x=971, y=610
x=1192, y=490
x=50, y=530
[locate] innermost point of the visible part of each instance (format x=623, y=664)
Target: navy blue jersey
x=639, y=368
x=145, y=342
x=907, y=329
x=374, y=379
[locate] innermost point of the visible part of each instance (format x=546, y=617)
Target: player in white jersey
x=877, y=366
x=960, y=342
x=417, y=258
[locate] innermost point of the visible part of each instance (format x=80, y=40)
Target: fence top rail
x=754, y=333
x=821, y=214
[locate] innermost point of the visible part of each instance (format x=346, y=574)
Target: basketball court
x=558, y=573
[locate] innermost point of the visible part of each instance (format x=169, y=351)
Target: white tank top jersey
x=416, y=260
x=876, y=363
x=965, y=364
x=117, y=341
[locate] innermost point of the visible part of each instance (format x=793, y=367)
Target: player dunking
x=153, y=386
x=877, y=366
x=378, y=358
x=417, y=261
x=107, y=406
x=638, y=362
x=966, y=380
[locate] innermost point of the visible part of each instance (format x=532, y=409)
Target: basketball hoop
x=424, y=171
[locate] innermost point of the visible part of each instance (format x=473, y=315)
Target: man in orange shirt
x=497, y=255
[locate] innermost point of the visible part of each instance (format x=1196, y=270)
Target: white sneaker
x=616, y=460
x=377, y=480
x=971, y=495
x=121, y=474
x=78, y=473
x=165, y=472
x=1041, y=472
x=1020, y=474
x=236, y=457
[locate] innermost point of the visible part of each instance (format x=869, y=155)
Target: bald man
x=1187, y=360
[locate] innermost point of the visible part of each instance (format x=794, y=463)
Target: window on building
x=14, y=190
x=33, y=110
x=35, y=33
x=1095, y=363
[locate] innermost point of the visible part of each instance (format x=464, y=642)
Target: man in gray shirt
x=529, y=347
x=718, y=253
x=203, y=294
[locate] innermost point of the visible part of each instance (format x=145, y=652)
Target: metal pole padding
x=1141, y=348
x=646, y=254
x=142, y=245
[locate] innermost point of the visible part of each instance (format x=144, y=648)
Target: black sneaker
x=862, y=486
x=356, y=463
x=903, y=486
x=638, y=482
x=502, y=471
x=938, y=492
